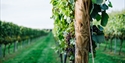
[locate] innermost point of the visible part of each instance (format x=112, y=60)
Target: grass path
x=39, y=52
x=107, y=56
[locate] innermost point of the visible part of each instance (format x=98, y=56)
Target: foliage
x=107, y=56
x=39, y=51
x=63, y=15
x=10, y=33
x=116, y=27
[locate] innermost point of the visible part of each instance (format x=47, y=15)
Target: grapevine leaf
x=104, y=19
x=100, y=28
x=104, y=7
x=98, y=38
x=98, y=17
x=95, y=11
x=71, y=1
x=99, y=2
x=110, y=4
x=97, y=8
x=93, y=14
x=93, y=1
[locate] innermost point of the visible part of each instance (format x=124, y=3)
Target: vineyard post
x=28, y=41
x=115, y=45
x=9, y=47
x=4, y=51
x=82, y=30
x=120, y=46
x=15, y=46
x=1, y=51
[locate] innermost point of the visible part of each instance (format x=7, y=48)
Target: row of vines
x=115, y=29
x=12, y=34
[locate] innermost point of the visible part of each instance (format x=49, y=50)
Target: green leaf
x=104, y=19
x=110, y=4
x=93, y=14
x=99, y=2
x=98, y=38
x=93, y=1
x=71, y=1
x=95, y=11
x=98, y=17
x=100, y=28
x=104, y=7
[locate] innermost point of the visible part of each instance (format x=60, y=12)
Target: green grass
x=107, y=56
x=41, y=51
x=38, y=52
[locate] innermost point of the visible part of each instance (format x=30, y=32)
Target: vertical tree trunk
x=98, y=45
x=9, y=48
x=64, y=57
x=28, y=41
x=115, y=48
x=82, y=30
x=111, y=44
x=1, y=51
x=15, y=46
x=61, y=58
x=21, y=44
x=120, y=46
x=24, y=43
x=4, y=51
x=106, y=45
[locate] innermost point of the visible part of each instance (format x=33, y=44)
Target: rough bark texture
x=82, y=30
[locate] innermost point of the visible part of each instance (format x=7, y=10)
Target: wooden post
x=82, y=30
x=1, y=54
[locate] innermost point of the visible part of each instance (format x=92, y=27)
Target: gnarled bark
x=82, y=30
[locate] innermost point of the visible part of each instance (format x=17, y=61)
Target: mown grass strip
x=39, y=52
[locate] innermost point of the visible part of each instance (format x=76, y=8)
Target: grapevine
x=64, y=32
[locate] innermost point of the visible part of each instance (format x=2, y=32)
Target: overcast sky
x=35, y=13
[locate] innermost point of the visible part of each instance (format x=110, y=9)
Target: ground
x=37, y=52
x=40, y=51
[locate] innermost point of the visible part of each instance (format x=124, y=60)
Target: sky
x=36, y=13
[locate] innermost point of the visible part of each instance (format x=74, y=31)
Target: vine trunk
x=82, y=30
